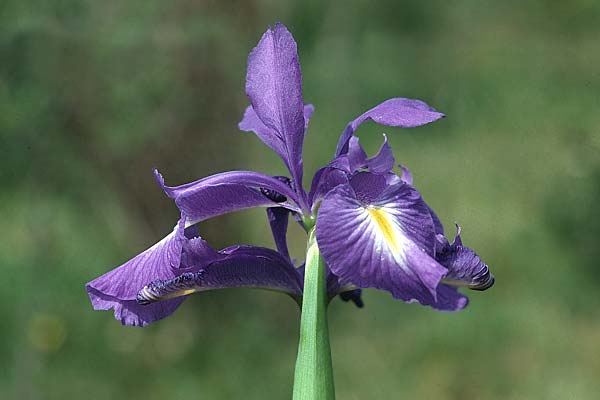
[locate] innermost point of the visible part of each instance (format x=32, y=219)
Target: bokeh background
x=93, y=95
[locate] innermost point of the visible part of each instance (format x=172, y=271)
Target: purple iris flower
x=373, y=228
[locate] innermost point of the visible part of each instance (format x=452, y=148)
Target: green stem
x=313, y=379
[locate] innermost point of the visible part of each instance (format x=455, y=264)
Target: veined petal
x=386, y=243
x=274, y=86
x=235, y=267
x=465, y=268
x=227, y=192
x=400, y=112
x=118, y=288
x=324, y=180
x=252, y=123
x=384, y=161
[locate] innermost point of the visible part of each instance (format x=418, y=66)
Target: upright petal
x=324, y=180
x=274, y=86
x=227, y=192
x=385, y=242
x=251, y=123
x=384, y=161
x=118, y=288
x=400, y=112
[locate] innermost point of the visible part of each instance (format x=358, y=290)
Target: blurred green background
x=94, y=94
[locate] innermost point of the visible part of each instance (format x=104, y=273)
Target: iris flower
x=373, y=228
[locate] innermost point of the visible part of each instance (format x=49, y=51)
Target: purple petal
x=367, y=186
x=387, y=243
x=383, y=162
x=235, y=267
x=465, y=268
x=278, y=219
x=357, y=158
x=406, y=175
x=324, y=180
x=400, y=112
x=251, y=123
x=449, y=299
x=118, y=288
x=227, y=192
x=274, y=86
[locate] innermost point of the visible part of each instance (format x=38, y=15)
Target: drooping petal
x=235, y=267
x=228, y=192
x=400, y=112
x=449, y=299
x=465, y=268
x=278, y=220
x=274, y=87
x=118, y=288
x=386, y=243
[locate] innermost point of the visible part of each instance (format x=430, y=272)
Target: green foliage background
x=95, y=94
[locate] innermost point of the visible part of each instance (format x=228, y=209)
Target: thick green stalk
x=313, y=379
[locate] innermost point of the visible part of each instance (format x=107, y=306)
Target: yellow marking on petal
x=179, y=293
x=383, y=223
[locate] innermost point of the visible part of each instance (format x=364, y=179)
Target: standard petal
x=387, y=243
x=357, y=157
x=118, y=288
x=324, y=180
x=251, y=123
x=406, y=175
x=465, y=268
x=400, y=112
x=274, y=87
x=235, y=267
x=228, y=192
x=383, y=162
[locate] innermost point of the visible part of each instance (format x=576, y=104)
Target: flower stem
x=313, y=378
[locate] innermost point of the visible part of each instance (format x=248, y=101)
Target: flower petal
x=118, y=288
x=400, y=112
x=274, y=86
x=252, y=123
x=406, y=175
x=324, y=180
x=384, y=161
x=227, y=192
x=465, y=268
x=278, y=219
x=237, y=266
x=386, y=243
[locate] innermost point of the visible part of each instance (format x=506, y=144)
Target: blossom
x=373, y=228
